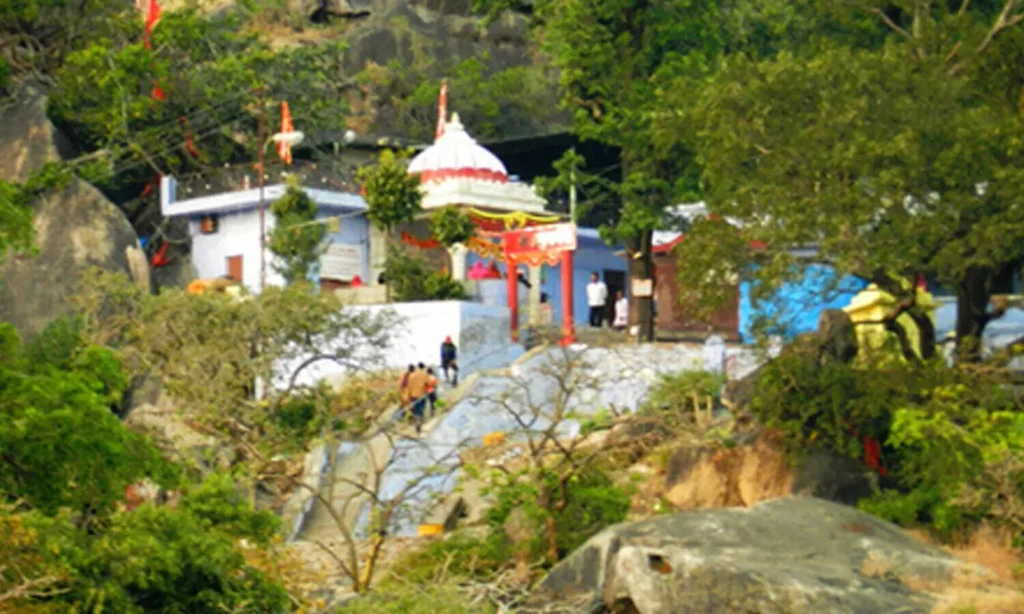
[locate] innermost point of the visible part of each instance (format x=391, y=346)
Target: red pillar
x=568, y=325
x=512, y=285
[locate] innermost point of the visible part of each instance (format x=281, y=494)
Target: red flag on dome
x=152, y=17
x=442, y=109
x=284, y=150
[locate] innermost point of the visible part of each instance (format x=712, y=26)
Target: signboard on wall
x=341, y=262
x=642, y=288
x=536, y=244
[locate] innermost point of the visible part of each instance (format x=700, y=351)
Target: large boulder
x=27, y=138
x=794, y=555
x=76, y=228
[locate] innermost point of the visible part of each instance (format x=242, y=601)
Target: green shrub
x=412, y=599
x=458, y=556
x=588, y=503
x=411, y=279
x=944, y=431
x=675, y=396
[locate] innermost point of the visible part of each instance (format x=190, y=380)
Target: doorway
x=615, y=281
x=235, y=268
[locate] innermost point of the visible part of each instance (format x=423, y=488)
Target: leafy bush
x=458, y=556
x=411, y=279
x=586, y=504
x=685, y=393
x=411, y=599
x=158, y=559
x=950, y=435
x=61, y=444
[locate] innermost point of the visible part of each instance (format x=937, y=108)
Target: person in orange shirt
x=417, y=387
x=431, y=390
x=403, y=387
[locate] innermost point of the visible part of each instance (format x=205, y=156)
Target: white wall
x=481, y=333
x=237, y=234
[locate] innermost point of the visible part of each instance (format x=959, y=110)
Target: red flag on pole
x=442, y=109
x=152, y=16
x=284, y=150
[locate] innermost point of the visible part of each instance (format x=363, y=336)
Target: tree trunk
x=972, y=298
x=641, y=266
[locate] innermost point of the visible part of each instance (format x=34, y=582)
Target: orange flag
x=284, y=150
x=152, y=16
x=442, y=109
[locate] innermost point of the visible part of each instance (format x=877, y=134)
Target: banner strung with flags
x=284, y=150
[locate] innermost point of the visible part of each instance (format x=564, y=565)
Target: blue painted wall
x=354, y=230
x=798, y=305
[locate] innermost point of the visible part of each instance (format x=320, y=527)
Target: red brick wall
x=672, y=317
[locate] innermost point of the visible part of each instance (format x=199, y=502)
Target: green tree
x=451, y=227
x=393, y=196
x=863, y=153
x=612, y=56
x=61, y=445
x=412, y=279
x=210, y=68
x=297, y=238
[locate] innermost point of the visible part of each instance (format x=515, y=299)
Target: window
x=208, y=225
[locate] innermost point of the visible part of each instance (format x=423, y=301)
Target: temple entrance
x=534, y=246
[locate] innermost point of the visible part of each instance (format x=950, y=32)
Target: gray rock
x=76, y=228
x=27, y=138
x=794, y=555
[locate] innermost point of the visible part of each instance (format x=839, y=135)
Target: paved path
x=600, y=378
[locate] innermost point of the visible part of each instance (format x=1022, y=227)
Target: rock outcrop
x=703, y=477
x=75, y=228
x=28, y=140
x=794, y=555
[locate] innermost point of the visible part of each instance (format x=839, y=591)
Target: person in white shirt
x=621, y=312
x=597, y=296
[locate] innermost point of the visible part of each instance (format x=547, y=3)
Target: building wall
x=796, y=307
x=237, y=234
x=354, y=230
x=673, y=317
x=481, y=333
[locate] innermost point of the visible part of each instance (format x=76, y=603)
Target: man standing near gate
x=597, y=296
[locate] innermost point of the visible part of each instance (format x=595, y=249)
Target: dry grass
x=987, y=584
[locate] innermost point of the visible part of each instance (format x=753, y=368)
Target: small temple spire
x=442, y=109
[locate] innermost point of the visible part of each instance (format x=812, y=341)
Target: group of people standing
x=597, y=298
x=418, y=386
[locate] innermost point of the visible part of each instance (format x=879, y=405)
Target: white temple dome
x=457, y=155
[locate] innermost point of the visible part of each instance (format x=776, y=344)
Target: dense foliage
x=451, y=225
x=411, y=279
x=392, y=195
x=857, y=145
x=297, y=238
x=67, y=461
x=61, y=444
x=952, y=439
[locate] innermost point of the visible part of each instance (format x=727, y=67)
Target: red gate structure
x=549, y=244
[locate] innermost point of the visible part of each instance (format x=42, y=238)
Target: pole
x=512, y=286
x=568, y=319
x=572, y=188
x=263, y=222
